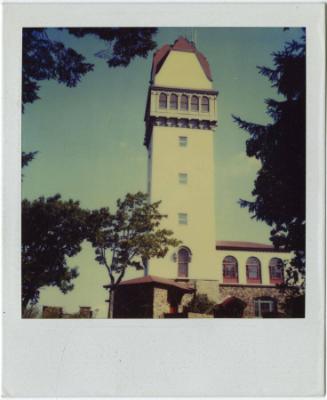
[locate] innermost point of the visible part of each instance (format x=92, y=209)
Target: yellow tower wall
x=196, y=198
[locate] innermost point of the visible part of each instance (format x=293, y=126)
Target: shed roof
x=151, y=279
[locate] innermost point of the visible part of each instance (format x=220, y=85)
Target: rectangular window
x=262, y=307
x=183, y=141
x=182, y=218
x=182, y=178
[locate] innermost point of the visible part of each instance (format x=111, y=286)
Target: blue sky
x=90, y=138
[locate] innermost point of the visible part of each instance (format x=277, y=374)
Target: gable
x=182, y=69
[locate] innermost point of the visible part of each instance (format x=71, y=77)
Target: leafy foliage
x=52, y=230
x=200, y=303
x=27, y=157
x=129, y=237
x=279, y=188
x=45, y=59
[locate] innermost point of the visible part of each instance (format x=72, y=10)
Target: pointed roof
x=181, y=44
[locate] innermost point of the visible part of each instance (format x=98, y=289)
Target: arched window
x=276, y=270
x=173, y=101
x=163, y=100
x=205, y=104
x=230, y=269
x=184, y=257
x=184, y=102
x=194, y=103
x=253, y=270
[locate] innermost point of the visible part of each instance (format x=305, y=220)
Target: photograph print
x=163, y=172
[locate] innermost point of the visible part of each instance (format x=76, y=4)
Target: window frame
x=183, y=178
x=183, y=141
x=259, y=301
x=182, y=104
x=195, y=106
x=205, y=104
x=273, y=265
x=172, y=103
x=250, y=264
x=165, y=103
x=230, y=278
x=182, y=218
x=183, y=265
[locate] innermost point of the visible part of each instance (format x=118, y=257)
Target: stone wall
x=160, y=302
x=248, y=294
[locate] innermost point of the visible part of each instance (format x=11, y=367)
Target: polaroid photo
x=163, y=199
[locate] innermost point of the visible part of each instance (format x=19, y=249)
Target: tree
x=128, y=238
x=279, y=188
x=200, y=303
x=45, y=59
x=52, y=230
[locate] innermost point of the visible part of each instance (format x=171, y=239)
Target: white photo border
x=219, y=357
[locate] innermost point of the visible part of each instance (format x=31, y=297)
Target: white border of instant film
x=218, y=357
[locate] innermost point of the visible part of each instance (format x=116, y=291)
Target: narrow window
x=182, y=178
x=276, y=270
x=184, y=257
x=184, y=102
x=194, y=103
x=163, y=100
x=182, y=218
x=230, y=270
x=205, y=104
x=183, y=141
x=173, y=101
x=253, y=270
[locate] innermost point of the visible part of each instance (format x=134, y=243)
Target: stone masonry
x=249, y=293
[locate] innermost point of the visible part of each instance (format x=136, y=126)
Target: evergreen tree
x=279, y=188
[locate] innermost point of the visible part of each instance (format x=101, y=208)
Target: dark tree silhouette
x=45, y=59
x=52, y=230
x=279, y=188
x=128, y=238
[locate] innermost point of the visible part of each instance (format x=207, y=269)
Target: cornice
x=185, y=90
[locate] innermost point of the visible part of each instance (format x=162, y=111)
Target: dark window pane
x=184, y=102
x=205, y=104
x=163, y=100
x=195, y=103
x=173, y=101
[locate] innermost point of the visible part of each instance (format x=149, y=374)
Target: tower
x=180, y=117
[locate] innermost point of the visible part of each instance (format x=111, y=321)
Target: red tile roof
x=181, y=44
x=156, y=279
x=245, y=246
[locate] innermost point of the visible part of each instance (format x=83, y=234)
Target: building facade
x=181, y=117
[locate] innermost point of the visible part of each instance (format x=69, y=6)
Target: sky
x=90, y=138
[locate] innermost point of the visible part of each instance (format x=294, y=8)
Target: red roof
x=235, y=245
x=156, y=279
x=181, y=44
